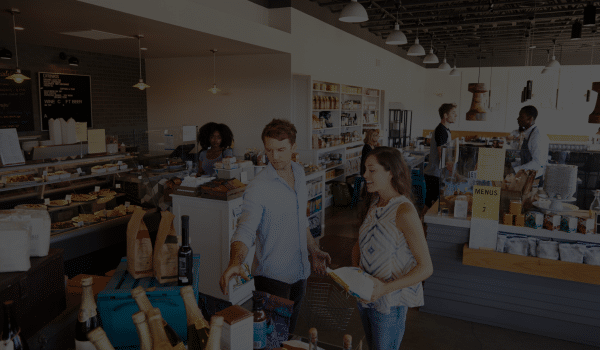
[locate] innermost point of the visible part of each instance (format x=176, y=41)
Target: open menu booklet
x=354, y=281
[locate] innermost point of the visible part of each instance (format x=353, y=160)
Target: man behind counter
x=534, y=148
x=274, y=216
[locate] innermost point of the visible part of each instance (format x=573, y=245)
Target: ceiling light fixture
x=73, y=61
x=17, y=77
x=553, y=64
x=416, y=49
x=445, y=66
x=5, y=54
x=396, y=37
x=354, y=13
x=589, y=14
x=545, y=70
x=431, y=57
x=455, y=72
x=576, y=30
x=140, y=85
x=214, y=88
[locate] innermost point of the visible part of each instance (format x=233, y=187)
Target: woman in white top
x=391, y=248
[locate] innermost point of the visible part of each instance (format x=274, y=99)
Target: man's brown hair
x=280, y=130
x=446, y=108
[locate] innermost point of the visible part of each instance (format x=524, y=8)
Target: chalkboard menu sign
x=65, y=96
x=16, y=102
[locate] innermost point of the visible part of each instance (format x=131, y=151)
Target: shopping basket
x=327, y=306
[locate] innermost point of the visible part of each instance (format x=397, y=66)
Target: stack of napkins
x=354, y=281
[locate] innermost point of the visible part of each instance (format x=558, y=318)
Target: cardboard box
x=534, y=220
x=520, y=220
x=508, y=219
x=552, y=222
x=568, y=224
x=585, y=225
x=238, y=330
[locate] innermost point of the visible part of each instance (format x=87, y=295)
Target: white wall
x=255, y=89
x=570, y=118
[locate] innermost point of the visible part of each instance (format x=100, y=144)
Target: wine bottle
x=198, y=327
x=140, y=297
x=347, y=342
x=312, y=339
x=139, y=319
x=160, y=341
x=99, y=339
x=87, y=319
x=185, y=256
x=259, y=325
x=10, y=339
x=216, y=328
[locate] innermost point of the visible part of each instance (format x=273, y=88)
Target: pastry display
x=105, y=192
x=77, y=197
x=58, y=203
x=86, y=218
x=61, y=225
x=34, y=206
x=105, y=199
x=19, y=178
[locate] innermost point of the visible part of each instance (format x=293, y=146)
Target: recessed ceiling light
x=143, y=48
x=19, y=28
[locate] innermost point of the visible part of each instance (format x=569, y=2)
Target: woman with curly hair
x=215, y=142
x=391, y=248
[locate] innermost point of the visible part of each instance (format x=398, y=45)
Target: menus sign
x=484, y=223
x=16, y=106
x=65, y=96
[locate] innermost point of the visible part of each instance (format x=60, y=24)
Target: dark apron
x=526, y=156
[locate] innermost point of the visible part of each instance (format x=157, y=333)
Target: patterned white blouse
x=385, y=254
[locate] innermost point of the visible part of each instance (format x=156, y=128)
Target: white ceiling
x=44, y=20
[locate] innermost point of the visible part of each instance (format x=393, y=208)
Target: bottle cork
x=99, y=339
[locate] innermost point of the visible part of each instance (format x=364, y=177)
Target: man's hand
x=319, y=262
x=379, y=290
x=231, y=272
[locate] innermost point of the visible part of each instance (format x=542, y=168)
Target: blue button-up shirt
x=274, y=217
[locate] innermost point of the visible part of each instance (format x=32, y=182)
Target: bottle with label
x=139, y=295
x=260, y=324
x=100, y=340
x=141, y=325
x=347, y=342
x=10, y=339
x=160, y=341
x=595, y=211
x=198, y=327
x=216, y=328
x=87, y=319
x=312, y=339
x=185, y=256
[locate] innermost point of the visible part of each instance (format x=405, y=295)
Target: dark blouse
x=365, y=152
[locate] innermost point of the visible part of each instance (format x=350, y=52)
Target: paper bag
x=165, y=250
x=279, y=313
x=139, y=246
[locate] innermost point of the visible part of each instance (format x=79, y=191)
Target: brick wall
x=116, y=105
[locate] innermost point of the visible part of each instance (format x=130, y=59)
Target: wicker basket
x=327, y=307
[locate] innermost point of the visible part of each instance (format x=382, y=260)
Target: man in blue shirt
x=274, y=217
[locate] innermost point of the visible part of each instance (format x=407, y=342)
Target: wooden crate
x=530, y=265
x=223, y=196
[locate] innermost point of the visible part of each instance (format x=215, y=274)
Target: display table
x=212, y=224
x=552, y=307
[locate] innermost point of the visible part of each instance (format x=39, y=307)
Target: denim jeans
x=383, y=332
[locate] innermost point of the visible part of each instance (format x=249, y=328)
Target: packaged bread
x=165, y=250
x=139, y=247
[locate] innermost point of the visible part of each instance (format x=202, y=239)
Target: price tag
x=117, y=185
x=127, y=204
x=45, y=173
x=97, y=189
x=47, y=201
x=79, y=171
x=119, y=163
x=68, y=198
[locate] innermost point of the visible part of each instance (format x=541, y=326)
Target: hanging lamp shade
x=140, y=85
x=589, y=15
x=576, y=30
x=18, y=77
x=416, y=49
x=354, y=13
x=396, y=37
x=444, y=66
x=545, y=70
x=214, y=88
x=455, y=72
x=553, y=64
x=5, y=54
x=431, y=58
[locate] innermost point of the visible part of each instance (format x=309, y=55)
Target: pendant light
x=431, y=57
x=140, y=85
x=445, y=66
x=553, y=64
x=455, y=72
x=478, y=111
x=214, y=88
x=17, y=77
x=546, y=70
x=576, y=30
x=354, y=13
x=589, y=14
x=416, y=49
x=396, y=37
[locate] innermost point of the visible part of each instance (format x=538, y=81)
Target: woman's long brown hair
x=391, y=160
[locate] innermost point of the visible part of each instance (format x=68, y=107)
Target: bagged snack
x=139, y=246
x=501, y=242
x=591, y=254
x=534, y=219
x=165, y=250
x=552, y=222
x=40, y=222
x=568, y=224
x=547, y=250
x=517, y=245
x=570, y=252
x=585, y=225
x=532, y=245
x=14, y=252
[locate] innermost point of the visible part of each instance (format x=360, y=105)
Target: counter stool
x=356, y=191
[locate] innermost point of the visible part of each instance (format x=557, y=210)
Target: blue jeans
x=383, y=332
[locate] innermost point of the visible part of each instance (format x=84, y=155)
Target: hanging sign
x=65, y=96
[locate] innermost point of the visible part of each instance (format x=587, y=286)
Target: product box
x=508, y=219
x=534, y=220
x=585, y=225
x=568, y=224
x=237, y=333
x=515, y=207
x=520, y=220
x=552, y=222
x=116, y=305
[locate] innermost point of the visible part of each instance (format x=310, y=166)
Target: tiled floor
x=423, y=331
